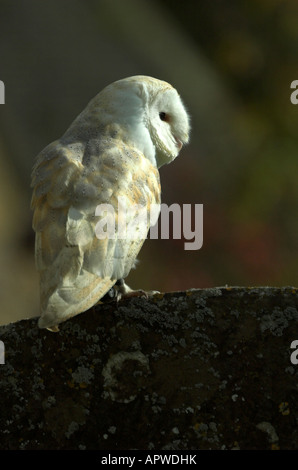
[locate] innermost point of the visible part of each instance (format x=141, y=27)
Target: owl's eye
x=163, y=116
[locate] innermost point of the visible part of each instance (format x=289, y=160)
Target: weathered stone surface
x=202, y=369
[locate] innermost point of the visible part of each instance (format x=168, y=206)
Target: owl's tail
x=70, y=300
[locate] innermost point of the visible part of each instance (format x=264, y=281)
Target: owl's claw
x=121, y=291
x=134, y=293
x=141, y=293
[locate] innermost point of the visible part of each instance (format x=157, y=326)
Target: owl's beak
x=179, y=144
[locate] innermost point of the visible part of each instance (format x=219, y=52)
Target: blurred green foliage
x=253, y=46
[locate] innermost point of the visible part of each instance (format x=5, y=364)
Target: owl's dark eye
x=163, y=116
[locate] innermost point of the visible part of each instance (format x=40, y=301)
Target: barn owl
x=111, y=152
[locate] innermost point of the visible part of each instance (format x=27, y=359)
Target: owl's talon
x=152, y=292
x=136, y=293
x=142, y=293
x=124, y=291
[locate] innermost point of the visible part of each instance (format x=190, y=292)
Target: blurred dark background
x=232, y=61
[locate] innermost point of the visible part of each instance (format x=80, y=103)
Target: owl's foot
x=121, y=291
x=140, y=293
x=132, y=293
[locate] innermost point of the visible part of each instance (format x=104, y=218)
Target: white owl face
x=168, y=125
x=164, y=116
x=150, y=111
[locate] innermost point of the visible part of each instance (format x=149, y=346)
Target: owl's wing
x=70, y=181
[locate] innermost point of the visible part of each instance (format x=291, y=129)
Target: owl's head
x=167, y=120
x=153, y=114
